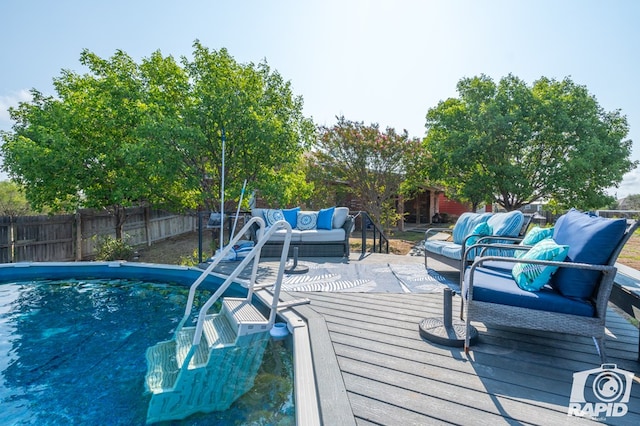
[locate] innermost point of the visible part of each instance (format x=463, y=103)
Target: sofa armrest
x=348, y=226
x=487, y=246
x=435, y=231
x=486, y=239
x=253, y=232
x=485, y=242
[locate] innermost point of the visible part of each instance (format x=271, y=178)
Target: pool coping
x=318, y=358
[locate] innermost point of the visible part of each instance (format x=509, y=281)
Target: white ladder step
x=246, y=317
x=162, y=369
x=218, y=330
x=184, y=340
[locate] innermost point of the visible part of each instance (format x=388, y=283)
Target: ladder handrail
x=215, y=262
x=255, y=253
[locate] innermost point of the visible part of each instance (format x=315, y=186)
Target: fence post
x=147, y=225
x=12, y=239
x=78, y=232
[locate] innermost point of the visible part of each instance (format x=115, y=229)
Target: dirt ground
x=175, y=250
x=630, y=255
x=184, y=250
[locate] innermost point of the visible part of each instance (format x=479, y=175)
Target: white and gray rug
x=360, y=278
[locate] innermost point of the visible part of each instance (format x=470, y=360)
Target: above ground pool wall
x=11, y=272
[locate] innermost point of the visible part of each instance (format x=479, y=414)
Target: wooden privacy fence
x=76, y=236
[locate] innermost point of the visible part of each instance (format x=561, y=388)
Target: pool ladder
x=202, y=369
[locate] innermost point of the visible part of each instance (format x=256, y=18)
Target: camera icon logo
x=600, y=392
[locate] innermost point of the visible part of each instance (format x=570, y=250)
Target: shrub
x=110, y=248
x=191, y=260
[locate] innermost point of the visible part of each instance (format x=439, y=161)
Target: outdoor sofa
x=322, y=233
x=450, y=245
x=560, y=283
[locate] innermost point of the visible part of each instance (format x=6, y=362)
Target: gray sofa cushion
x=340, y=216
x=321, y=235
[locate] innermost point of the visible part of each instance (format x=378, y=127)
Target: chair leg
x=467, y=336
x=599, y=342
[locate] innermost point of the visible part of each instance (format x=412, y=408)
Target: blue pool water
x=73, y=352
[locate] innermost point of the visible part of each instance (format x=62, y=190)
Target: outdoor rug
x=360, y=278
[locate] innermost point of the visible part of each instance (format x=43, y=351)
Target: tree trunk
x=120, y=214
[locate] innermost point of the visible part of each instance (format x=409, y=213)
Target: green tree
x=266, y=132
x=513, y=144
x=370, y=161
x=12, y=200
x=127, y=134
x=632, y=202
x=74, y=150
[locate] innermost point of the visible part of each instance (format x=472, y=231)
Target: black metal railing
x=380, y=241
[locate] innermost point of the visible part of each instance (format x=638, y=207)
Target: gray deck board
x=392, y=376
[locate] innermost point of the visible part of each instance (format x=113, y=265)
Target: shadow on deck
x=372, y=366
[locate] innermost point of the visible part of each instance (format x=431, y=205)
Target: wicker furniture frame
x=518, y=317
x=311, y=248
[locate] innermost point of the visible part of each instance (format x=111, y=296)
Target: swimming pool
x=58, y=368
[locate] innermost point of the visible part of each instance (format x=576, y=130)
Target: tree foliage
x=513, y=144
x=127, y=134
x=632, y=202
x=12, y=200
x=265, y=129
x=370, y=161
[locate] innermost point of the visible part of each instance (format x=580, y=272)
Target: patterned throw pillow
x=307, y=220
x=534, y=236
x=532, y=277
x=271, y=216
x=506, y=224
x=465, y=224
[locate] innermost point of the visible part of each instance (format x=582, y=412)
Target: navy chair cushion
x=591, y=239
x=498, y=286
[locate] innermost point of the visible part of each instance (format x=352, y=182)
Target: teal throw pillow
x=535, y=235
x=533, y=277
x=307, y=221
x=481, y=230
x=291, y=216
x=325, y=218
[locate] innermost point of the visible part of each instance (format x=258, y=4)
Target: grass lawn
x=176, y=250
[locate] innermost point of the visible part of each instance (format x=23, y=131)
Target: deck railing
x=380, y=240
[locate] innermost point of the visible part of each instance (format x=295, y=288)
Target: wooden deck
x=372, y=366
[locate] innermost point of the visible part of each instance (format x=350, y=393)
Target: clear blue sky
x=383, y=62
